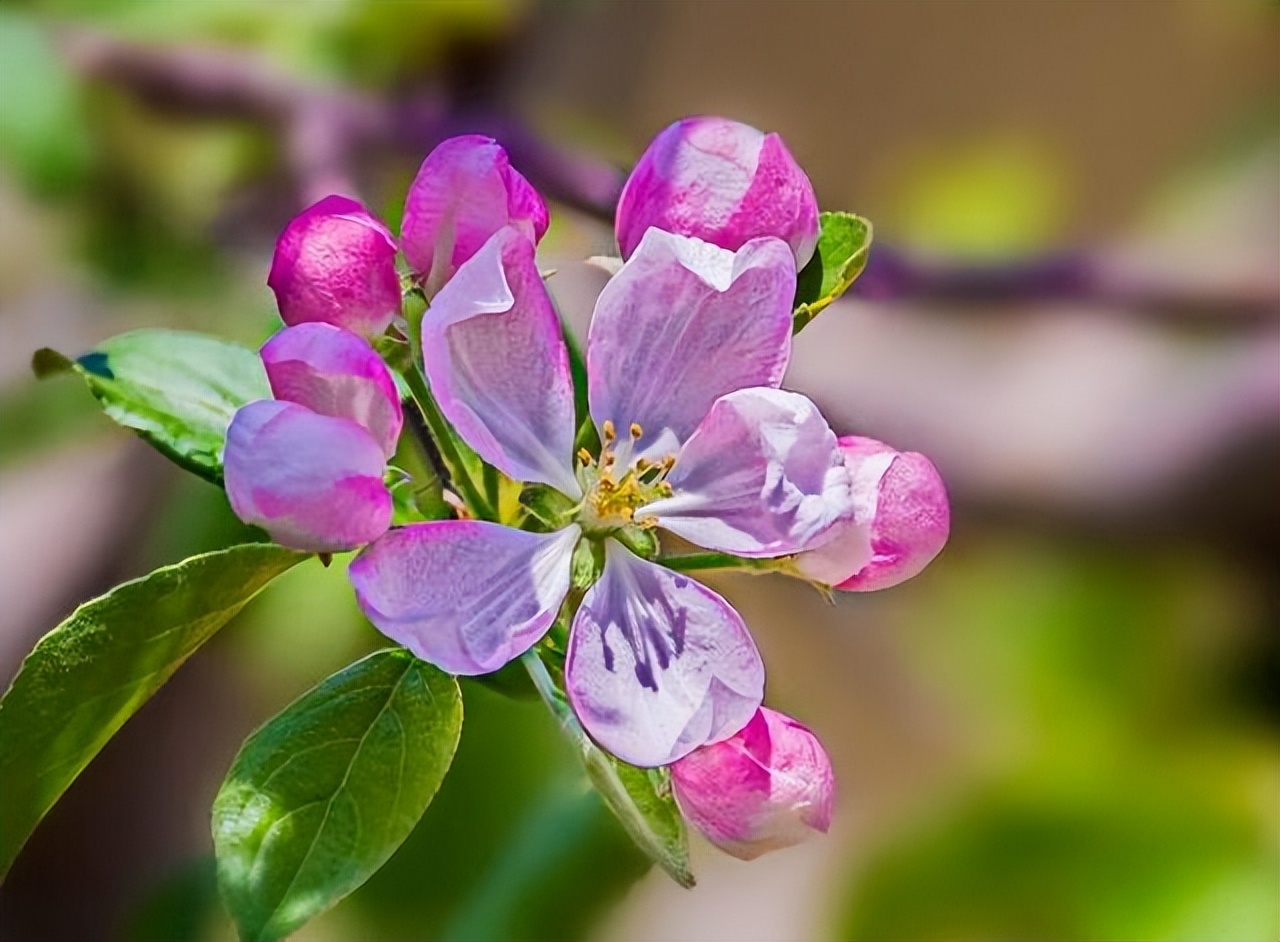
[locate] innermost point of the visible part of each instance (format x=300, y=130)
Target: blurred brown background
x=1065, y=729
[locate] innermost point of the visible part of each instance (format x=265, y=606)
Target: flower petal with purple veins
x=465, y=595
x=901, y=520
x=335, y=372
x=659, y=664
x=313, y=482
x=681, y=324
x=762, y=476
x=465, y=191
x=766, y=787
x=336, y=263
x=499, y=367
x=721, y=181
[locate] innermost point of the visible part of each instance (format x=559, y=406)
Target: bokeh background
x=1068, y=728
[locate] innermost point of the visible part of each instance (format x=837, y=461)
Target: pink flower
x=720, y=181
x=900, y=523
x=465, y=191
x=687, y=347
x=768, y=786
x=308, y=465
x=336, y=264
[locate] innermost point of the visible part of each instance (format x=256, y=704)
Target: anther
x=608, y=431
x=584, y=456
x=636, y=431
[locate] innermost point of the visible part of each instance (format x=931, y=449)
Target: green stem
x=491, y=486
x=443, y=435
x=702, y=562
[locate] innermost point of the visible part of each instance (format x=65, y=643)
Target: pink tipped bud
x=334, y=372
x=766, y=787
x=722, y=182
x=900, y=523
x=336, y=264
x=465, y=191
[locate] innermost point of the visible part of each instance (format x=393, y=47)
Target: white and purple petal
x=465, y=595
x=683, y=323
x=499, y=367
x=762, y=476
x=465, y=191
x=901, y=520
x=313, y=482
x=335, y=372
x=659, y=664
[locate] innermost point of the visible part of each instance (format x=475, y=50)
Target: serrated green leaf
x=843, y=248
x=92, y=672
x=641, y=799
x=321, y=796
x=177, y=389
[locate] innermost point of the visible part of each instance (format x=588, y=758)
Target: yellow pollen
x=636, y=431
x=608, y=431
x=584, y=456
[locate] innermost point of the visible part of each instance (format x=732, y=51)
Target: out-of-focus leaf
x=841, y=255
x=42, y=134
x=179, y=908
x=178, y=390
x=92, y=672
x=321, y=796
x=641, y=799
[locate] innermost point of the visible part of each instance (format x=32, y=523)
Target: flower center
x=612, y=495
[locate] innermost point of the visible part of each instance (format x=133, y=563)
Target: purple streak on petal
x=465, y=595
x=465, y=191
x=335, y=263
x=720, y=181
x=683, y=323
x=903, y=503
x=761, y=476
x=335, y=372
x=769, y=786
x=311, y=481
x=499, y=367
x=658, y=664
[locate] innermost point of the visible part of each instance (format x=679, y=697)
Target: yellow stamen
x=608, y=431
x=636, y=431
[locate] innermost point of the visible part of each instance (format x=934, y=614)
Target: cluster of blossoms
x=689, y=432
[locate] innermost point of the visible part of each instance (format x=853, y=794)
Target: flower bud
x=465, y=191
x=722, y=182
x=901, y=520
x=336, y=264
x=766, y=787
x=313, y=482
x=334, y=372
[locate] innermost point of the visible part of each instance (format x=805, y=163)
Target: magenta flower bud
x=900, y=523
x=313, y=482
x=465, y=191
x=764, y=788
x=336, y=264
x=722, y=182
x=334, y=372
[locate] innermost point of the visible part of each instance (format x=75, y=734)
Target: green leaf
x=178, y=390
x=321, y=796
x=641, y=799
x=843, y=247
x=92, y=672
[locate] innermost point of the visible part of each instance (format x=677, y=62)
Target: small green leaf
x=841, y=255
x=321, y=796
x=641, y=799
x=178, y=390
x=92, y=672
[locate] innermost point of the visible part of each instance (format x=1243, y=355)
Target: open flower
x=768, y=786
x=721, y=181
x=687, y=347
x=901, y=520
x=308, y=465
